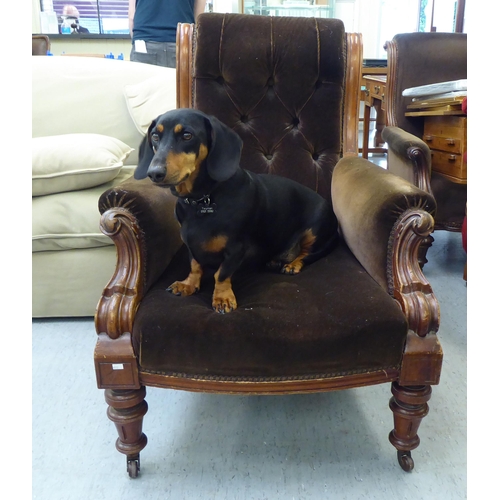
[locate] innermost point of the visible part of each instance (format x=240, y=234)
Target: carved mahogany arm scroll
x=139, y=217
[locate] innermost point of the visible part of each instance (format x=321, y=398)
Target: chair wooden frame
x=116, y=363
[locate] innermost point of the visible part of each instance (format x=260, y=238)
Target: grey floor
x=319, y=446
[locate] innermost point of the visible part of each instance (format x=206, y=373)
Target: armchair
x=415, y=59
x=362, y=315
x=40, y=44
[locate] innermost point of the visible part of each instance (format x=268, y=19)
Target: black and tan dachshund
x=230, y=216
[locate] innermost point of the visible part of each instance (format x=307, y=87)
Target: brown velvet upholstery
x=40, y=44
x=419, y=59
x=364, y=314
x=278, y=109
x=316, y=312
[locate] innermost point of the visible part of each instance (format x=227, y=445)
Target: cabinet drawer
x=446, y=133
x=448, y=144
x=449, y=164
x=375, y=89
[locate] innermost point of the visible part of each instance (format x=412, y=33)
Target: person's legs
x=158, y=53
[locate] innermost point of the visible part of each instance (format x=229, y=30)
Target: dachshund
x=229, y=216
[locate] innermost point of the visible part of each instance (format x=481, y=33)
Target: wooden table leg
x=366, y=130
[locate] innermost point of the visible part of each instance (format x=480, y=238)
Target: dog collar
x=204, y=205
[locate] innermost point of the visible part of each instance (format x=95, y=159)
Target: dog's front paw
x=183, y=289
x=293, y=267
x=224, y=302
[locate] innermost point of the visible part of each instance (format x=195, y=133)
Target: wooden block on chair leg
x=422, y=360
x=115, y=363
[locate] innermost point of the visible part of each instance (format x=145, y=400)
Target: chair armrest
x=409, y=157
x=384, y=219
x=139, y=217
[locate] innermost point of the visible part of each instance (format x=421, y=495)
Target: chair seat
x=276, y=332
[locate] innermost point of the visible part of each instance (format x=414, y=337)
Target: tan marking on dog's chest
x=215, y=244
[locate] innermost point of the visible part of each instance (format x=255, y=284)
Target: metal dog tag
x=207, y=209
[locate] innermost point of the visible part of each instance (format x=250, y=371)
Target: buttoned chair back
x=290, y=103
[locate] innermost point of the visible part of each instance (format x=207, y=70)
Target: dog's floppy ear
x=146, y=154
x=223, y=158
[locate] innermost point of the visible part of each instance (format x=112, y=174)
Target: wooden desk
x=374, y=98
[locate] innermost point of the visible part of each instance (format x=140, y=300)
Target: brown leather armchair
x=40, y=44
x=415, y=59
x=362, y=315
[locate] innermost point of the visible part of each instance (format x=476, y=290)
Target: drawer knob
x=452, y=158
x=428, y=138
x=450, y=142
x=377, y=89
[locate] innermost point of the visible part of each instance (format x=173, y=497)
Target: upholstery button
x=244, y=118
x=219, y=80
x=295, y=121
x=315, y=156
x=269, y=157
x=270, y=82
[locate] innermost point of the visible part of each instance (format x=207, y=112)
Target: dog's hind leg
x=191, y=284
x=307, y=241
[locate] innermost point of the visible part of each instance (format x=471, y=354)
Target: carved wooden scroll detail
x=406, y=281
x=421, y=168
x=119, y=301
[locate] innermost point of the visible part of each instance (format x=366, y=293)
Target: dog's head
x=181, y=142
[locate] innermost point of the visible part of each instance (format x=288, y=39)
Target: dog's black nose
x=156, y=173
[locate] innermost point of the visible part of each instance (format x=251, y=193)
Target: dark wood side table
x=374, y=98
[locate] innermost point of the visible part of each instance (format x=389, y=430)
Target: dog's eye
x=155, y=137
x=187, y=136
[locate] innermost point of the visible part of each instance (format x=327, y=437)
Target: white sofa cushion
x=69, y=220
x=73, y=94
x=151, y=98
x=75, y=161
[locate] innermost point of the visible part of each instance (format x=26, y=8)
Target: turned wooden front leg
x=409, y=406
x=126, y=410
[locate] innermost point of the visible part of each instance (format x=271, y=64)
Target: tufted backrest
x=279, y=82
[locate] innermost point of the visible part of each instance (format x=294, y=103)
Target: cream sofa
x=89, y=117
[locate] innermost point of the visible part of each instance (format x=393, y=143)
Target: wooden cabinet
x=446, y=136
